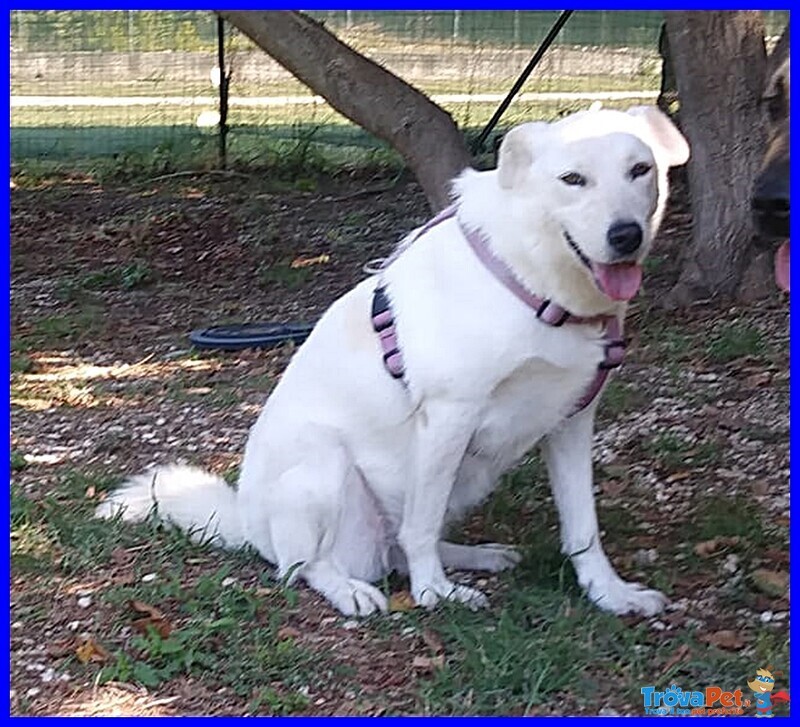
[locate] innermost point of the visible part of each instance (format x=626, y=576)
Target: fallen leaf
x=680, y=654
x=199, y=390
x=401, y=601
x=772, y=583
x=428, y=663
x=162, y=627
x=152, y=618
x=90, y=650
x=725, y=639
x=679, y=476
x=146, y=609
x=433, y=641
x=288, y=632
x=304, y=262
x=708, y=547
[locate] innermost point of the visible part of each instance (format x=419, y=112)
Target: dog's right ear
x=516, y=153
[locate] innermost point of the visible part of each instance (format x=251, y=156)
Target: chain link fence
x=86, y=84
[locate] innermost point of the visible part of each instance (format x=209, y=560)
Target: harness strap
x=547, y=311
x=383, y=325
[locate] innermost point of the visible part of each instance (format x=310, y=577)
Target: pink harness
x=547, y=311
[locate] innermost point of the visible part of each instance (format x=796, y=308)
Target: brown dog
x=771, y=191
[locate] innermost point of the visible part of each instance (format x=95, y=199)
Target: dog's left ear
x=663, y=135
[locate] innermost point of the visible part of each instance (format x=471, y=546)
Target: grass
x=735, y=340
x=21, y=363
x=285, y=275
x=620, y=398
x=294, y=144
x=537, y=647
x=188, y=389
x=57, y=329
x=220, y=631
x=673, y=452
x=127, y=276
x=219, y=626
x=716, y=517
x=18, y=462
x=542, y=647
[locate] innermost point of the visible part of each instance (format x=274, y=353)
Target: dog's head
x=771, y=190
x=597, y=181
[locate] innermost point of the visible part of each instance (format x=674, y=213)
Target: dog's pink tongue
x=782, y=274
x=620, y=281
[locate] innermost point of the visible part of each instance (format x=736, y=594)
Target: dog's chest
x=525, y=406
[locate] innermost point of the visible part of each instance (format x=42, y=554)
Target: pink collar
x=547, y=311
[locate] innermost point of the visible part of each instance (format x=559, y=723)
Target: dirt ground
x=692, y=458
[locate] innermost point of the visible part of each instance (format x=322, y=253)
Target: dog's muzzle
x=770, y=202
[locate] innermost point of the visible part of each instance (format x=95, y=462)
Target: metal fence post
x=537, y=56
x=223, y=94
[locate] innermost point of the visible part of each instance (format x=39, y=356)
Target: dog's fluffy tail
x=201, y=504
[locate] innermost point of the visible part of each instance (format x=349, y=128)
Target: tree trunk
x=720, y=63
x=420, y=131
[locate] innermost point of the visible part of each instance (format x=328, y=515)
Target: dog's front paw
x=429, y=594
x=623, y=597
x=608, y=591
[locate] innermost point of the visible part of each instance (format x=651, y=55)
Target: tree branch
x=366, y=93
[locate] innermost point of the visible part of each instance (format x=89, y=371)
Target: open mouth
x=619, y=281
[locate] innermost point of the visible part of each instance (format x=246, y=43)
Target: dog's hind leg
x=350, y=596
x=491, y=557
x=296, y=520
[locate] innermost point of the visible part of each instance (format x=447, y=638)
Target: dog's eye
x=639, y=170
x=573, y=179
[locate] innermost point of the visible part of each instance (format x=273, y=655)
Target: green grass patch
x=219, y=395
x=285, y=275
x=620, y=398
x=719, y=516
x=21, y=363
x=734, y=341
x=18, y=462
x=222, y=631
x=672, y=452
x=132, y=275
x=61, y=329
x=221, y=627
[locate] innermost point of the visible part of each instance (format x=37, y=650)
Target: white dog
x=405, y=405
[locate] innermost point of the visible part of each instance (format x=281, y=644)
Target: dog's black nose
x=771, y=204
x=625, y=237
